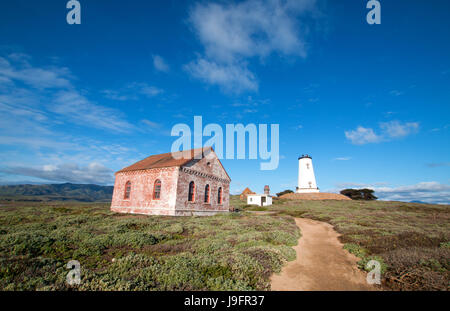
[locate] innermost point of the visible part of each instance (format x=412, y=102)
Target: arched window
x=207, y=194
x=191, y=194
x=127, y=190
x=157, y=190
x=219, y=196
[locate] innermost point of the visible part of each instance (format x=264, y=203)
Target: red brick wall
x=196, y=173
x=215, y=168
x=174, y=191
x=141, y=197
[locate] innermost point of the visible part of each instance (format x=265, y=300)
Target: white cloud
x=37, y=142
x=78, y=109
x=250, y=28
x=345, y=185
x=396, y=92
x=388, y=131
x=395, y=129
x=233, y=33
x=362, y=136
x=343, y=159
x=428, y=192
x=32, y=106
x=151, y=124
x=36, y=126
x=150, y=91
x=116, y=95
x=40, y=78
x=160, y=64
x=69, y=172
x=132, y=91
x=230, y=77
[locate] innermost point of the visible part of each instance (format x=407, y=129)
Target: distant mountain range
x=57, y=192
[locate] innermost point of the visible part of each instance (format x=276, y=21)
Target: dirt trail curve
x=321, y=264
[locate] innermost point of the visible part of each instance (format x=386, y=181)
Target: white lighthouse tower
x=306, y=178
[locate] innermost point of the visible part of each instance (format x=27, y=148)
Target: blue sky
x=370, y=103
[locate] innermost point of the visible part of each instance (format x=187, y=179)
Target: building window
x=157, y=190
x=191, y=194
x=127, y=190
x=310, y=184
x=207, y=194
x=219, y=196
x=307, y=166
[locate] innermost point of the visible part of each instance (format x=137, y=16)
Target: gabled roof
x=247, y=191
x=164, y=160
x=169, y=160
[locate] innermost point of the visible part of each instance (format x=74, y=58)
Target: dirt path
x=321, y=264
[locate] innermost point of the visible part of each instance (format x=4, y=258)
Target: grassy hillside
x=235, y=251
x=128, y=252
x=412, y=241
x=57, y=192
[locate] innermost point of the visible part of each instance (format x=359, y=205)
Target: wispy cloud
x=234, y=33
x=38, y=128
x=440, y=164
x=133, y=91
x=117, y=95
x=151, y=124
x=41, y=78
x=160, y=64
x=428, y=192
x=25, y=95
x=345, y=185
x=388, y=131
x=362, y=136
x=37, y=142
x=343, y=159
x=396, y=93
x=396, y=129
x=78, y=109
x=69, y=172
x=249, y=101
x=233, y=78
x=150, y=91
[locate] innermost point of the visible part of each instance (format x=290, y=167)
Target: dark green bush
x=359, y=194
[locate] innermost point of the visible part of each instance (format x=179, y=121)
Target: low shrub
x=131, y=252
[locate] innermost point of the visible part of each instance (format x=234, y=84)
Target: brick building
x=243, y=195
x=162, y=184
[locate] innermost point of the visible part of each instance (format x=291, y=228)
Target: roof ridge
x=164, y=160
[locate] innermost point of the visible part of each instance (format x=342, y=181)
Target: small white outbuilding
x=259, y=199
